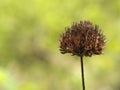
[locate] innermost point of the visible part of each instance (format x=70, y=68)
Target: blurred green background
x=29, y=45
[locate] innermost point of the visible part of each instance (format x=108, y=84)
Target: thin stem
x=82, y=72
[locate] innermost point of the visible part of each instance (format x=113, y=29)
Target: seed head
x=82, y=39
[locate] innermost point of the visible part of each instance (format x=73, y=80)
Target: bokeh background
x=29, y=45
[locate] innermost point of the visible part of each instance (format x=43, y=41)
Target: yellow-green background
x=29, y=45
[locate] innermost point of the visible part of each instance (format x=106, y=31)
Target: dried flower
x=82, y=39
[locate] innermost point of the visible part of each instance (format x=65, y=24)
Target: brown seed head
x=82, y=39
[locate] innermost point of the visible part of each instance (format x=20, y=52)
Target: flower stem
x=82, y=72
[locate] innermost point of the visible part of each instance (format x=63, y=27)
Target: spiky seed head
x=82, y=39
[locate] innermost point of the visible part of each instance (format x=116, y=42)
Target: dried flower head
x=82, y=39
